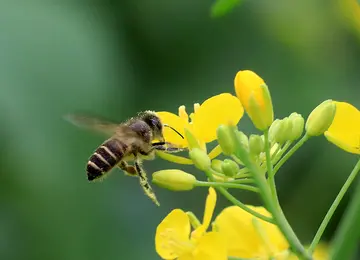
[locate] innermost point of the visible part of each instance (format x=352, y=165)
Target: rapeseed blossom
x=174, y=239
x=344, y=131
x=201, y=124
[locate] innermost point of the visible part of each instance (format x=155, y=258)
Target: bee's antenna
x=165, y=125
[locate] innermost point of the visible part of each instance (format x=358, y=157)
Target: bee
x=134, y=140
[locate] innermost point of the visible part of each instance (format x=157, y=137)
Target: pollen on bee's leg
x=145, y=184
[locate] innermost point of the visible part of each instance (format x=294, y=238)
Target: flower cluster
x=251, y=163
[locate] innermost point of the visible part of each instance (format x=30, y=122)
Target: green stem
x=243, y=175
x=279, y=154
x=266, y=196
x=243, y=181
x=232, y=199
x=226, y=185
x=242, y=172
x=333, y=207
x=269, y=167
x=273, y=156
x=291, y=152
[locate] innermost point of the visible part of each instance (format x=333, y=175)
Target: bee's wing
x=93, y=123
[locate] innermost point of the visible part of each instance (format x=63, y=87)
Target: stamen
x=196, y=107
x=182, y=114
x=263, y=236
x=173, y=243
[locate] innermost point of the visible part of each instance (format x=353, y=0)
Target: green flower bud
x=243, y=139
x=200, y=158
x=256, y=144
x=225, y=140
x=174, y=179
x=229, y=167
x=285, y=131
x=298, y=123
x=320, y=118
x=191, y=139
x=216, y=165
x=274, y=128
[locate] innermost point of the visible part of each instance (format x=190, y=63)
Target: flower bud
x=274, y=128
x=244, y=140
x=229, y=167
x=285, y=131
x=320, y=118
x=216, y=165
x=256, y=144
x=297, y=126
x=224, y=138
x=174, y=179
x=200, y=158
x=255, y=97
x=191, y=139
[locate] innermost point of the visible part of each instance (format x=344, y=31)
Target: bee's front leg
x=167, y=147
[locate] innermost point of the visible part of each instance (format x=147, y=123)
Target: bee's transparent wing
x=93, y=124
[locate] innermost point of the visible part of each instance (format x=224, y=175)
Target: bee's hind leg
x=128, y=169
x=144, y=182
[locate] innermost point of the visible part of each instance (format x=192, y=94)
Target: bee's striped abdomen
x=105, y=158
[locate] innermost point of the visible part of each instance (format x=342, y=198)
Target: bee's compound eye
x=156, y=123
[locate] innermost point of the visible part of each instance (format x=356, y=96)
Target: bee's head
x=154, y=122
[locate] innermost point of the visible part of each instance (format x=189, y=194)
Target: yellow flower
x=345, y=128
x=321, y=253
x=248, y=236
x=174, y=240
x=220, y=109
x=255, y=97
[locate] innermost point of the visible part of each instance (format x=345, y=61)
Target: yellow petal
x=209, y=207
x=188, y=256
x=344, y=131
x=209, y=210
x=176, y=122
x=172, y=235
x=248, y=83
x=255, y=97
x=211, y=246
x=215, y=152
x=221, y=109
x=241, y=236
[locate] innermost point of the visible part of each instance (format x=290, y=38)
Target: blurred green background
x=115, y=58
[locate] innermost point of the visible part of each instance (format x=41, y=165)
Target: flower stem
x=333, y=207
x=226, y=185
x=270, y=204
x=276, y=158
x=242, y=181
x=269, y=167
x=291, y=152
x=232, y=199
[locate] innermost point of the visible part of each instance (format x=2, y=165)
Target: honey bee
x=131, y=141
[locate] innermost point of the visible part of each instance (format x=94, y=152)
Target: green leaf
x=222, y=7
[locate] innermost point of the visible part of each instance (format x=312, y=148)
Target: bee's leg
x=128, y=169
x=144, y=182
x=167, y=147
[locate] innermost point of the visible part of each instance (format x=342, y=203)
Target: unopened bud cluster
x=286, y=129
